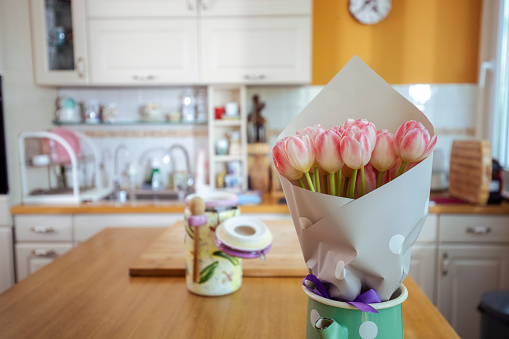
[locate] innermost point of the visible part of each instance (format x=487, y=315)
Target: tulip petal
x=412, y=146
x=429, y=148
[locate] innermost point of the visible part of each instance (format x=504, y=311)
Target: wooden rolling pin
x=197, y=219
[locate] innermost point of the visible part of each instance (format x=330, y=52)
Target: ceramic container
x=334, y=319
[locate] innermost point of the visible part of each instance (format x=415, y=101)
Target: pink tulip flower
x=383, y=156
x=355, y=148
x=371, y=176
x=366, y=126
x=301, y=155
x=412, y=143
x=282, y=163
x=356, y=153
x=313, y=132
x=328, y=155
x=328, y=151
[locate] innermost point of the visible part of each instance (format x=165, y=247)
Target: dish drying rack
x=73, y=194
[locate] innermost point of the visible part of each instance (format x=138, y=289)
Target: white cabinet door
x=256, y=50
x=32, y=257
x=141, y=8
x=422, y=268
x=87, y=225
x=465, y=273
x=254, y=7
x=6, y=259
x=59, y=42
x=143, y=52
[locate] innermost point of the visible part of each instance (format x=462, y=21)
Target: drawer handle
x=43, y=229
x=445, y=264
x=254, y=76
x=80, y=67
x=479, y=230
x=190, y=4
x=144, y=77
x=44, y=253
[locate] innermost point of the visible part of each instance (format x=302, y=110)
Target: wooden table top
x=87, y=293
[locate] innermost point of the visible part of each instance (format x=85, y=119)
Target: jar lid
x=244, y=237
x=215, y=199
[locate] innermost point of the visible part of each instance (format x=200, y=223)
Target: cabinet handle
x=254, y=76
x=445, y=264
x=44, y=253
x=478, y=230
x=190, y=4
x=205, y=4
x=144, y=77
x=43, y=229
x=80, y=67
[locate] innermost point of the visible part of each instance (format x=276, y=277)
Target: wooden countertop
x=269, y=205
x=87, y=293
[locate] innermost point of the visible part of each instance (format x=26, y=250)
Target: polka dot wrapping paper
x=358, y=244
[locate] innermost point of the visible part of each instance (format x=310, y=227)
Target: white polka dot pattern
x=396, y=243
x=313, y=317
x=368, y=330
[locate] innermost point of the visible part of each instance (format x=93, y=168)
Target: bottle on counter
x=155, y=176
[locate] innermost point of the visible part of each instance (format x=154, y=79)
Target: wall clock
x=369, y=12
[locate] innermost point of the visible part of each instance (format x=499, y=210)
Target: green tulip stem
x=301, y=183
x=353, y=179
x=310, y=183
x=317, y=180
x=379, y=178
x=338, y=191
x=345, y=189
x=401, y=168
x=363, y=181
x=332, y=181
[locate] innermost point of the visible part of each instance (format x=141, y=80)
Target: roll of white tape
x=244, y=233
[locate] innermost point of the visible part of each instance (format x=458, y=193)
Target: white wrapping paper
x=363, y=243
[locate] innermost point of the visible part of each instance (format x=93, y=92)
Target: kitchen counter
x=88, y=293
x=269, y=205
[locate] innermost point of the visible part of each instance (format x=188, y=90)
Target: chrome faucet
x=190, y=180
x=116, y=178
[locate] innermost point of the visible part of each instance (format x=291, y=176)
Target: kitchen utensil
x=57, y=152
x=470, y=170
x=231, y=109
x=188, y=105
x=109, y=112
x=91, y=112
x=197, y=208
x=222, y=146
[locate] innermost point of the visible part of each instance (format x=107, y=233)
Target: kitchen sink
x=147, y=195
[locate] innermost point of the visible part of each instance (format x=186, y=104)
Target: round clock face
x=370, y=12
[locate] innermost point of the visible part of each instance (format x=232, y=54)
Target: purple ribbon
x=313, y=284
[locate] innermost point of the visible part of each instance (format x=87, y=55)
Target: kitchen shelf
x=130, y=122
x=228, y=122
x=229, y=157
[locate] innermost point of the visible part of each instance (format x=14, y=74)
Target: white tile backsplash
x=450, y=107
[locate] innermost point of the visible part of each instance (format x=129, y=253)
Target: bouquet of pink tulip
x=341, y=152
x=351, y=240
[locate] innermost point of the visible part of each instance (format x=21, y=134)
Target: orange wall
x=420, y=41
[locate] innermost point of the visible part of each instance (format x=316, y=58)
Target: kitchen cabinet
x=474, y=259
x=141, y=8
x=59, y=45
x=143, y=51
x=423, y=257
x=86, y=225
x=254, y=8
x=6, y=258
x=255, y=50
x=39, y=239
x=32, y=257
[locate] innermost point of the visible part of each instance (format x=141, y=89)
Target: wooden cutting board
x=470, y=171
x=165, y=257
